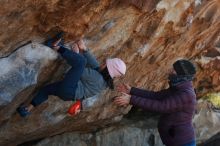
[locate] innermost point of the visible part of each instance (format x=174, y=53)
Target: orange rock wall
x=148, y=35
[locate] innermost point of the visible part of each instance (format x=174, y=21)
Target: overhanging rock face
x=21, y=69
x=148, y=35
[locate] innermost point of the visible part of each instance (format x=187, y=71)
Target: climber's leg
x=43, y=94
x=73, y=59
x=69, y=84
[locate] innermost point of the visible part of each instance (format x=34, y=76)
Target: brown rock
x=148, y=35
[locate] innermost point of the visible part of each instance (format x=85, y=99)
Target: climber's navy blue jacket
x=177, y=105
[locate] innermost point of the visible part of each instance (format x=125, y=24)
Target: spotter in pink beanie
x=116, y=67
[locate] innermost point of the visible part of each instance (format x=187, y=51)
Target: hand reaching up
x=55, y=45
x=124, y=88
x=81, y=45
x=75, y=48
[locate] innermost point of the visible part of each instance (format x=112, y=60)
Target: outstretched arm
x=170, y=104
x=148, y=94
x=126, y=88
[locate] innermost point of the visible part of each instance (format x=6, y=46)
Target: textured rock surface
x=118, y=136
x=207, y=123
x=148, y=35
x=140, y=132
x=214, y=141
x=21, y=69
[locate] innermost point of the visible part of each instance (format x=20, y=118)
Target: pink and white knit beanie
x=116, y=67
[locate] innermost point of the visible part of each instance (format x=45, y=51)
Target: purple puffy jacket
x=177, y=105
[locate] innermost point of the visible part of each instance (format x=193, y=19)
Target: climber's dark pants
x=66, y=88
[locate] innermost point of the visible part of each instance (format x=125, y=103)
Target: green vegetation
x=214, y=98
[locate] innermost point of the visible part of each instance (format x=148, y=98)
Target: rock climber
x=86, y=77
x=176, y=104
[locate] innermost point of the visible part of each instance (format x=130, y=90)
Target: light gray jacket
x=91, y=81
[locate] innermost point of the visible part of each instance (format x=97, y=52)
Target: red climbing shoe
x=75, y=108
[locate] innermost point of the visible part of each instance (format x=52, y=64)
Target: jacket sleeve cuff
x=133, y=91
x=132, y=100
x=61, y=50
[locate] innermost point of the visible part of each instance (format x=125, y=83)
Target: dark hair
x=108, y=79
x=184, y=67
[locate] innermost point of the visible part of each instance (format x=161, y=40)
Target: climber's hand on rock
x=123, y=100
x=56, y=48
x=56, y=42
x=81, y=45
x=125, y=88
x=55, y=45
x=75, y=48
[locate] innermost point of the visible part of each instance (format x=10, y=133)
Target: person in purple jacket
x=176, y=104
